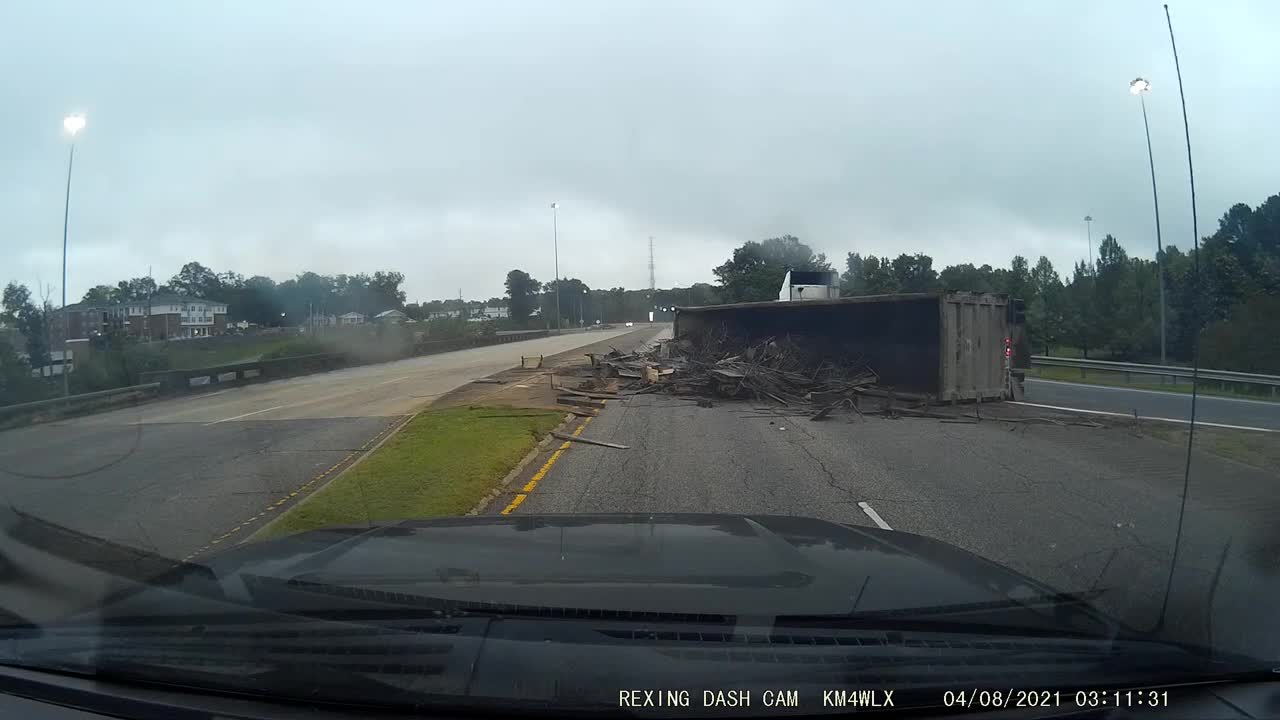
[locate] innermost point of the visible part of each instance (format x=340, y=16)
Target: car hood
x=745, y=566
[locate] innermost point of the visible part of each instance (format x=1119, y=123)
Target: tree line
x=261, y=300
x=533, y=303
x=1226, y=294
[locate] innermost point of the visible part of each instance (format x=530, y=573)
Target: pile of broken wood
x=792, y=372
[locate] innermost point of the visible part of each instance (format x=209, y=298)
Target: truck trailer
x=944, y=347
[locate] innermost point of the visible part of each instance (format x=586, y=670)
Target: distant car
x=630, y=324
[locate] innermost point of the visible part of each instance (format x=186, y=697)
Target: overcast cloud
x=273, y=137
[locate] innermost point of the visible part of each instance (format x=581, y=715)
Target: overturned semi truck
x=944, y=347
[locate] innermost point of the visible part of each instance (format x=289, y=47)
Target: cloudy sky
x=430, y=137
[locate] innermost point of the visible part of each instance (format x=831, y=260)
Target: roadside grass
x=190, y=354
x=1116, y=379
x=440, y=464
x=1261, y=450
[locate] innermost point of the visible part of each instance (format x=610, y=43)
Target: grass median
x=1136, y=382
x=440, y=464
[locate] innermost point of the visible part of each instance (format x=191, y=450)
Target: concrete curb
x=270, y=523
x=543, y=445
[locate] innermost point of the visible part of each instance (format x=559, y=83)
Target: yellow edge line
x=542, y=472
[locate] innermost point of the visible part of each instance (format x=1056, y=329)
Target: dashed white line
x=237, y=417
x=1199, y=423
x=875, y=516
x=388, y=382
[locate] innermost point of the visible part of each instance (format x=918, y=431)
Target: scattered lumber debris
x=590, y=394
x=588, y=441
x=792, y=372
x=793, y=376
x=490, y=381
x=587, y=402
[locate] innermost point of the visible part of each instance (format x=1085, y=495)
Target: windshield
x=384, y=354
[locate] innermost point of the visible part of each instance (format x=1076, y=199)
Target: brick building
x=162, y=317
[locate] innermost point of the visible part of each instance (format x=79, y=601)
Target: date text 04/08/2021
x=1055, y=698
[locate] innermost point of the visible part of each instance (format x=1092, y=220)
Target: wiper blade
x=976, y=617
x=317, y=599
x=1054, y=600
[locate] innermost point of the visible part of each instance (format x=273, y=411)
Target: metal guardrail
x=1172, y=371
x=62, y=402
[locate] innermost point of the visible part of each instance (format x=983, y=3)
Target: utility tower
x=652, y=283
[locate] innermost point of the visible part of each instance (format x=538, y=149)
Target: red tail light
x=1008, y=347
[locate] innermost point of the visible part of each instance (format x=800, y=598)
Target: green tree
x=196, y=280
x=756, y=270
x=139, y=288
x=914, y=273
x=967, y=278
x=522, y=295
x=384, y=290
x=1080, y=327
x=99, y=295
x=852, y=280
x=30, y=319
x=16, y=383
x=1017, y=283
x=573, y=297
x=868, y=276
x=1046, y=320
x=1247, y=341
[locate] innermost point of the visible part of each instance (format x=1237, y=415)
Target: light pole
x=1141, y=87
x=73, y=124
x=1088, y=222
x=555, y=245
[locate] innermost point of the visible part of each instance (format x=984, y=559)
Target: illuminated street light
x=73, y=124
x=1140, y=87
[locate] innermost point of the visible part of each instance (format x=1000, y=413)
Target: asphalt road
x=1155, y=403
x=185, y=475
x=1078, y=508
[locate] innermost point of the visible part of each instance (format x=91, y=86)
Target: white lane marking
x=1199, y=423
x=388, y=382
x=875, y=516
x=1166, y=393
x=237, y=417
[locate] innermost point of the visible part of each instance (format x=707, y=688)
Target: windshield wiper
x=964, y=617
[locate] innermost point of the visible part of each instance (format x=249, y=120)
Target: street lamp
x=73, y=124
x=555, y=245
x=1141, y=87
x=1088, y=222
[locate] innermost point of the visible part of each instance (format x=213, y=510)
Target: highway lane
x=1154, y=403
x=1078, y=508
x=175, y=475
